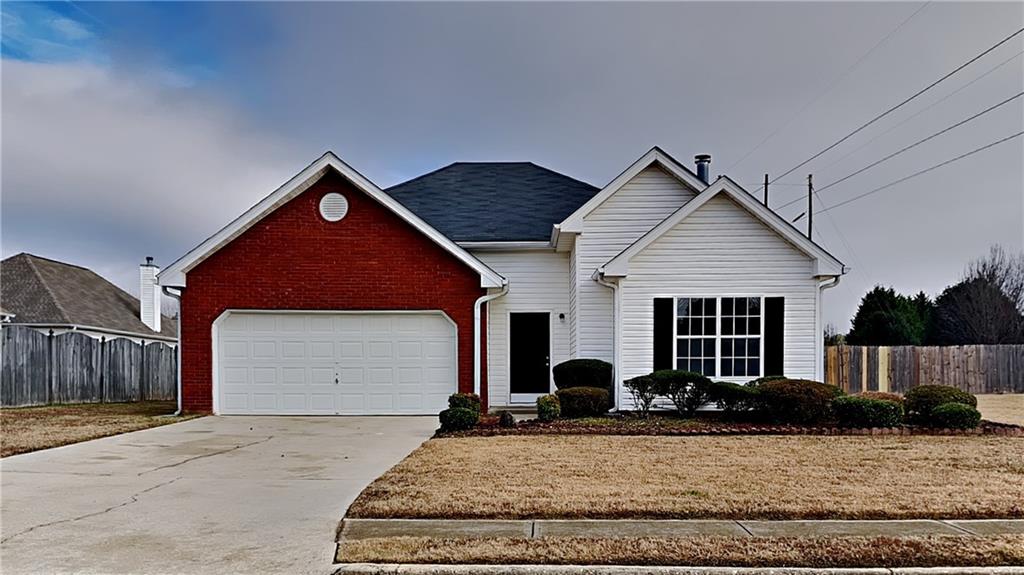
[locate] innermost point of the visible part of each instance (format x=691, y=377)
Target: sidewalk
x=367, y=528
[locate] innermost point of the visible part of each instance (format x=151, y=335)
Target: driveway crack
x=211, y=454
x=134, y=498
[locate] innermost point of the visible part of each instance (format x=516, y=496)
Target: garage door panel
x=345, y=363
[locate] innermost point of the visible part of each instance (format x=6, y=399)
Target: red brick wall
x=294, y=259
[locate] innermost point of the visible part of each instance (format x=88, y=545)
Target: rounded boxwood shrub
x=688, y=390
x=733, y=398
x=857, y=411
x=458, y=419
x=762, y=380
x=548, y=408
x=797, y=401
x=582, y=401
x=881, y=396
x=955, y=415
x=921, y=400
x=506, y=419
x=583, y=373
x=465, y=401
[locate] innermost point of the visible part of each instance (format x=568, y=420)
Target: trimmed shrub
x=762, y=380
x=733, y=398
x=465, y=401
x=921, y=400
x=688, y=390
x=881, y=396
x=797, y=401
x=856, y=411
x=955, y=415
x=458, y=419
x=583, y=373
x=549, y=408
x=582, y=401
x=506, y=419
x=643, y=391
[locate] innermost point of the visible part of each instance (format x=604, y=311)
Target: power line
x=831, y=87
x=918, y=173
x=914, y=145
x=916, y=114
x=897, y=106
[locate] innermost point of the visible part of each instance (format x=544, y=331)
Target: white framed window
x=720, y=337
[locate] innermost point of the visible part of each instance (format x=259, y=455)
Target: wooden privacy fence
x=972, y=368
x=40, y=369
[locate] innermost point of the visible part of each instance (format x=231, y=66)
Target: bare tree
x=1003, y=270
x=986, y=306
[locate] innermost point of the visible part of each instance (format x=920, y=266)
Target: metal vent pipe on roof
x=703, y=167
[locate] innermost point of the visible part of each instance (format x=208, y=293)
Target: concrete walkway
x=211, y=495
x=366, y=528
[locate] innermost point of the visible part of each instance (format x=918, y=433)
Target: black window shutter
x=774, y=330
x=664, y=315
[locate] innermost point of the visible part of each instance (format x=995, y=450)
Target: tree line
x=985, y=307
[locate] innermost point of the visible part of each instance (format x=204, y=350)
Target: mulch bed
x=674, y=426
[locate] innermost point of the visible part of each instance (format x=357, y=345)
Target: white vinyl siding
x=538, y=282
x=624, y=217
x=573, y=313
x=720, y=250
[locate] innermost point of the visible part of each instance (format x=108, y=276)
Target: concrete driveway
x=212, y=495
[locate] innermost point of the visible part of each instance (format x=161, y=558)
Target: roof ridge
x=34, y=256
x=421, y=176
x=42, y=281
x=560, y=174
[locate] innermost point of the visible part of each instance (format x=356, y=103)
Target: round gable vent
x=333, y=207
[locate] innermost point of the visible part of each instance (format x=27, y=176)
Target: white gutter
x=819, y=346
x=477, y=375
x=177, y=296
x=616, y=337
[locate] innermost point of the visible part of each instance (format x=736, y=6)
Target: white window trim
x=718, y=334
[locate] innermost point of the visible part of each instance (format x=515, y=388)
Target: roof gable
x=175, y=274
x=825, y=263
x=44, y=291
x=493, y=201
x=574, y=222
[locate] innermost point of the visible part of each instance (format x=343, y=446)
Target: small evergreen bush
x=506, y=419
x=583, y=373
x=921, y=400
x=582, y=401
x=864, y=412
x=643, y=391
x=955, y=415
x=688, y=390
x=548, y=408
x=458, y=419
x=882, y=396
x=733, y=398
x=465, y=401
x=796, y=401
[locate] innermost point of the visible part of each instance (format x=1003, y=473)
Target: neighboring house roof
x=574, y=222
x=493, y=201
x=825, y=263
x=44, y=291
x=175, y=274
x=5, y=315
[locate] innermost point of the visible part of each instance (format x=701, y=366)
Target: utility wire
x=831, y=87
x=914, y=115
x=918, y=173
x=905, y=148
x=898, y=106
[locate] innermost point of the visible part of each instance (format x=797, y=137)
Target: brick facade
x=294, y=259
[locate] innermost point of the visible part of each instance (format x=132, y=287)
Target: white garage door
x=335, y=363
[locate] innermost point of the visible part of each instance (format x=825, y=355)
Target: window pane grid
x=696, y=332
x=741, y=337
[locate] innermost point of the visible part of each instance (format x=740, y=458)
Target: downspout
x=614, y=286
x=820, y=353
x=177, y=296
x=480, y=301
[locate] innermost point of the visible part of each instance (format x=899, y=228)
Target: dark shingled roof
x=493, y=201
x=39, y=290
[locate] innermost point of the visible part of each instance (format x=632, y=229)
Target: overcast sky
x=139, y=129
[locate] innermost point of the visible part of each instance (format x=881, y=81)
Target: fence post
x=50, y=370
x=142, y=373
x=103, y=368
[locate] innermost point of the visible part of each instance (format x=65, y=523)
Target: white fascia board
x=574, y=223
x=825, y=264
x=174, y=275
x=506, y=246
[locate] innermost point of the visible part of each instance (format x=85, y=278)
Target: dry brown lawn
x=750, y=477
x=936, y=551
x=1004, y=408
x=27, y=429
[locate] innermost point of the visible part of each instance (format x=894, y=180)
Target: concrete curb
x=670, y=528
x=431, y=569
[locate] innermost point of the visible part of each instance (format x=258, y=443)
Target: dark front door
x=529, y=355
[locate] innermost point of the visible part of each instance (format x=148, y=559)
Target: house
x=58, y=297
x=333, y=296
